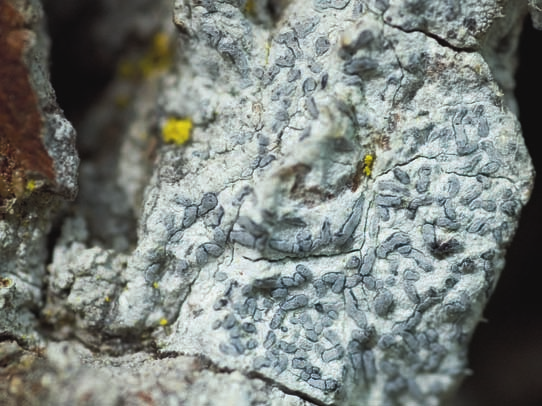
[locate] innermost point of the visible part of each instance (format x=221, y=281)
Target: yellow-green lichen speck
x=177, y=131
x=163, y=322
x=31, y=185
x=368, y=162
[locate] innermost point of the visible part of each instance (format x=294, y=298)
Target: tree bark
x=285, y=202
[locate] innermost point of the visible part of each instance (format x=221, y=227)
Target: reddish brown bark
x=22, y=153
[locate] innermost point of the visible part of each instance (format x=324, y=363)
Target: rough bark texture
x=329, y=233
x=38, y=165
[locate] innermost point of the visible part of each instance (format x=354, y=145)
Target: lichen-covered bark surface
x=332, y=229
x=38, y=166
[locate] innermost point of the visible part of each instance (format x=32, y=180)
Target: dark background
x=506, y=351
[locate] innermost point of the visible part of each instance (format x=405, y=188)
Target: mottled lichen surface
x=332, y=213
x=347, y=284
x=38, y=166
x=21, y=147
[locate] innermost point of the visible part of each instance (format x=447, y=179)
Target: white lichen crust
x=343, y=282
x=339, y=217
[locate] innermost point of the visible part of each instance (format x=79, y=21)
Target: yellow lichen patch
x=161, y=46
x=157, y=58
x=160, y=55
x=250, y=7
x=163, y=322
x=155, y=285
x=107, y=299
x=177, y=131
x=31, y=185
x=368, y=162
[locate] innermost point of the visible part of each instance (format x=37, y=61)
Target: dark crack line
x=441, y=41
x=294, y=258
x=283, y=388
x=208, y=364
